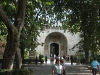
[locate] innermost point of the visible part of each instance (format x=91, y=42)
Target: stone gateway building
x=55, y=41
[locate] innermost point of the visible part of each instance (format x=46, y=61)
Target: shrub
x=14, y=72
x=5, y=72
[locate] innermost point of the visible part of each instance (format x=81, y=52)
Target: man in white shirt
x=57, y=68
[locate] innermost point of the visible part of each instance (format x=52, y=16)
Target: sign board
x=32, y=54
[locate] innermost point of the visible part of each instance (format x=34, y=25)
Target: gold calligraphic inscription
x=55, y=37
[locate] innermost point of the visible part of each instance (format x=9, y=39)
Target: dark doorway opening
x=54, y=49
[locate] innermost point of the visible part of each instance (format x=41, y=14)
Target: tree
x=15, y=24
x=86, y=20
x=81, y=16
x=14, y=30
x=36, y=19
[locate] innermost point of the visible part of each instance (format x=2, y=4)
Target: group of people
x=41, y=59
x=58, y=67
x=72, y=58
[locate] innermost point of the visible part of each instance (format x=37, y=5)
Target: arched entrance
x=54, y=49
x=55, y=43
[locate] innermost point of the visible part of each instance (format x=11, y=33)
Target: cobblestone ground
x=70, y=69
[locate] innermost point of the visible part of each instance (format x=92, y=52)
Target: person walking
x=40, y=59
x=57, y=68
x=45, y=59
x=36, y=60
x=72, y=59
x=94, y=65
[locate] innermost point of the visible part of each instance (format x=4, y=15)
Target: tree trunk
x=13, y=37
x=18, y=59
x=22, y=48
x=87, y=58
x=86, y=50
x=10, y=50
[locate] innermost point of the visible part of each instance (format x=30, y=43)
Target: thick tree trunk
x=87, y=58
x=13, y=37
x=86, y=50
x=10, y=50
x=18, y=59
x=22, y=48
x=19, y=23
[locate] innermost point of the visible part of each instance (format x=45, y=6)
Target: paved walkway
x=45, y=69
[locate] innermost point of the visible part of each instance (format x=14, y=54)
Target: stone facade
x=54, y=40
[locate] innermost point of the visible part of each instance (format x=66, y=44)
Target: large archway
x=55, y=43
x=54, y=49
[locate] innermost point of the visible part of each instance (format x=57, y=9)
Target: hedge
x=15, y=72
